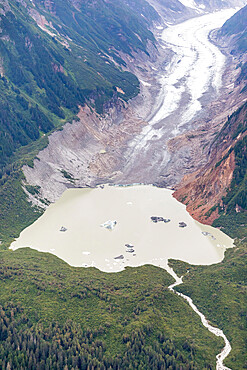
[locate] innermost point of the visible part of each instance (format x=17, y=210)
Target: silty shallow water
x=87, y=243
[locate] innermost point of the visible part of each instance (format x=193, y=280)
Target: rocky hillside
x=235, y=32
x=219, y=188
x=218, y=4
x=177, y=10
x=211, y=5
x=55, y=56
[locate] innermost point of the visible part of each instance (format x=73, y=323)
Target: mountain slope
x=219, y=188
x=56, y=56
x=236, y=29
x=234, y=33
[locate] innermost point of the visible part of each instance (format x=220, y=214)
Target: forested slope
x=56, y=316
x=219, y=291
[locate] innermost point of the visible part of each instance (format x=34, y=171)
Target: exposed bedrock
x=84, y=153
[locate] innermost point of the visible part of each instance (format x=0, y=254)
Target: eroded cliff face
x=85, y=153
x=203, y=190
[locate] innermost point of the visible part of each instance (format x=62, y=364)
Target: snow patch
x=145, y=83
x=190, y=4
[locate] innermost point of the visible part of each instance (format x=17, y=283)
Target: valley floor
x=157, y=143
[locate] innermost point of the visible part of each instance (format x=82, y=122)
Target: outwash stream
x=218, y=332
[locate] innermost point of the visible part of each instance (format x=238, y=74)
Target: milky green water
x=87, y=243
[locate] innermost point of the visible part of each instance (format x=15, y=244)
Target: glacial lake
x=85, y=242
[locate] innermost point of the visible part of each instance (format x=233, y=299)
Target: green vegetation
x=56, y=315
x=237, y=194
x=34, y=190
x=45, y=78
x=234, y=224
x=233, y=209
x=68, y=176
x=220, y=292
x=16, y=212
